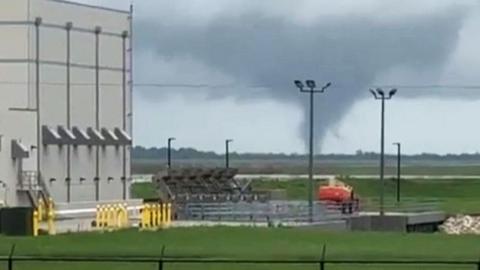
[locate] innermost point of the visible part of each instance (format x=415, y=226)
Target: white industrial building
x=65, y=102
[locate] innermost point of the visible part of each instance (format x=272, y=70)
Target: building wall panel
x=83, y=48
x=14, y=41
x=53, y=96
x=13, y=85
x=14, y=10
x=21, y=92
x=52, y=44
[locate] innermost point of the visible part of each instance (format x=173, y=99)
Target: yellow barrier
x=146, y=221
x=169, y=214
x=155, y=216
x=45, y=211
x=40, y=209
x=35, y=222
x=108, y=217
x=51, y=217
x=111, y=216
x=164, y=214
x=158, y=210
x=122, y=216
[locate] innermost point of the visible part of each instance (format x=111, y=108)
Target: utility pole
x=399, y=156
x=379, y=94
x=169, y=152
x=311, y=90
x=227, y=153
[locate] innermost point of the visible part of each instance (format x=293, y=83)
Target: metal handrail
x=286, y=211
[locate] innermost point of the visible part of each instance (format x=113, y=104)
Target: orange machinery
x=336, y=191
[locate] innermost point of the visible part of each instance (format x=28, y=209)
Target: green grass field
x=270, y=243
x=335, y=167
x=454, y=195
x=143, y=191
x=245, y=243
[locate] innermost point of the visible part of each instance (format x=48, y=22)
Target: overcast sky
x=237, y=60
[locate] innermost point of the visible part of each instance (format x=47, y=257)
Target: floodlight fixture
x=311, y=84
x=380, y=92
x=299, y=84
x=392, y=92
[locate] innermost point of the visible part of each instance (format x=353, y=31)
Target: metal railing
x=288, y=211
x=34, y=184
x=45, y=193
x=28, y=181
x=298, y=210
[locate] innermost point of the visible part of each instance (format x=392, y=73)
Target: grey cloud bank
x=350, y=51
x=269, y=43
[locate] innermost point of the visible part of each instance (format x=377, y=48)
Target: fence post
x=160, y=262
x=322, y=260
x=10, y=257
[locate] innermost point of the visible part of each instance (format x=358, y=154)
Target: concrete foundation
x=397, y=222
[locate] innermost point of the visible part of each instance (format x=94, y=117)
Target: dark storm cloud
x=269, y=51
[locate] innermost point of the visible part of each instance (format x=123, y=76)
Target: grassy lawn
x=143, y=191
x=245, y=243
x=454, y=195
x=335, y=167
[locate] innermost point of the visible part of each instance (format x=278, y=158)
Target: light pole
x=311, y=85
x=227, y=153
x=379, y=94
x=399, y=156
x=169, y=152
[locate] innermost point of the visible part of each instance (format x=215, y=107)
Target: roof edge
x=91, y=6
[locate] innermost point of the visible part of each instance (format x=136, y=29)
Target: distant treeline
x=140, y=152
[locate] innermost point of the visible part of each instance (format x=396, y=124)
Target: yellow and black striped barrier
x=155, y=216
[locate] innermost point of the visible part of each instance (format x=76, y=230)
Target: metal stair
x=34, y=186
